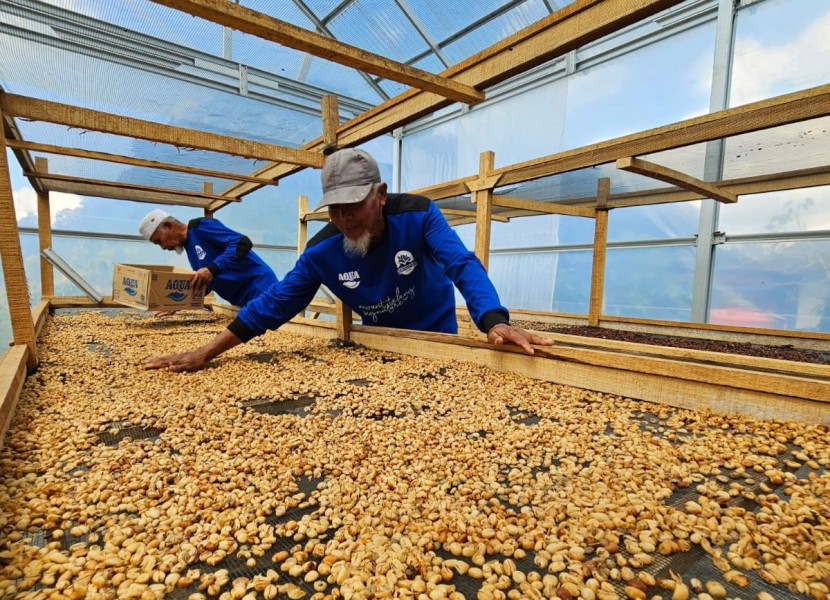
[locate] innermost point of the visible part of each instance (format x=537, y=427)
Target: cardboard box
x=154, y=287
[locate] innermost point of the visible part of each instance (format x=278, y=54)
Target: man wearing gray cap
x=392, y=258
x=222, y=258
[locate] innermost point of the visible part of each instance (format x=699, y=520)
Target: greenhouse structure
x=645, y=182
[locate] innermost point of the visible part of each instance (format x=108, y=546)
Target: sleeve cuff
x=240, y=330
x=214, y=270
x=493, y=317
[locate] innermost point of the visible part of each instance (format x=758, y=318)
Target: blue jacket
x=405, y=281
x=239, y=274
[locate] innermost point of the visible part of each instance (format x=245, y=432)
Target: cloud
x=762, y=70
x=25, y=203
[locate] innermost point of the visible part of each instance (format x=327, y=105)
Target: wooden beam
x=455, y=212
x=344, y=320
x=331, y=121
x=722, y=359
x=207, y=189
x=302, y=228
x=123, y=194
x=773, y=112
x=39, y=314
x=14, y=273
x=315, y=215
x=655, y=171
x=138, y=162
x=267, y=27
x=45, y=177
x=569, y=28
x=12, y=376
x=94, y=120
x=44, y=234
x=482, y=197
x=538, y=206
x=600, y=246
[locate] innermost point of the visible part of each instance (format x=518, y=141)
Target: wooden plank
x=302, y=229
x=667, y=175
x=758, y=184
x=99, y=183
x=605, y=376
x=482, y=197
x=94, y=120
x=138, y=162
x=39, y=314
x=798, y=339
x=264, y=26
x=537, y=206
x=12, y=376
x=44, y=234
x=454, y=212
x=82, y=302
x=569, y=28
x=82, y=189
x=723, y=359
x=14, y=273
x=599, y=254
x=781, y=110
x=344, y=320
x=315, y=215
x=331, y=121
x=796, y=386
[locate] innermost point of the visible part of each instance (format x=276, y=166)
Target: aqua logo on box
x=179, y=287
x=130, y=285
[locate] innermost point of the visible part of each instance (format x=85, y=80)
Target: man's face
x=362, y=218
x=166, y=236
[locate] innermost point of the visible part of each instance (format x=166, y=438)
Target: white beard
x=179, y=249
x=357, y=248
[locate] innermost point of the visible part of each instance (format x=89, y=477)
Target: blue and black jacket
x=405, y=280
x=239, y=274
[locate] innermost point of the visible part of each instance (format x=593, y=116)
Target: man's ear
x=381, y=192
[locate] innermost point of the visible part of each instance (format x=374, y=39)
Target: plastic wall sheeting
x=654, y=85
x=773, y=284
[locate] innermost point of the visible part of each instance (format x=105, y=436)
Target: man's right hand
x=188, y=361
x=197, y=359
x=164, y=313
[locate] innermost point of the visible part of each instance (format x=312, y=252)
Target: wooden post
x=14, y=274
x=207, y=189
x=344, y=320
x=331, y=121
x=482, y=197
x=600, y=245
x=44, y=232
x=302, y=227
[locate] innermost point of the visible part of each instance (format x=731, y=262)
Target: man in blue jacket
x=222, y=258
x=392, y=258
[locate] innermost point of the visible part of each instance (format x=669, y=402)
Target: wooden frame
x=683, y=378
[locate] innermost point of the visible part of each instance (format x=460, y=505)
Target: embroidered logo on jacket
x=200, y=252
x=350, y=279
x=405, y=262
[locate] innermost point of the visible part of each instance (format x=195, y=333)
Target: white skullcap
x=150, y=223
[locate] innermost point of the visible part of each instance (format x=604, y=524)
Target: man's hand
x=188, y=361
x=201, y=279
x=164, y=313
x=503, y=333
x=197, y=359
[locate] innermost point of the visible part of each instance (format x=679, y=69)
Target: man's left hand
x=502, y=333
x=201, y=279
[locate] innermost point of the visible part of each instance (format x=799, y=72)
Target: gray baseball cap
x=348, y=176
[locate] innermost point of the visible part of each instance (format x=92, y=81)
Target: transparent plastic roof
x=139, y=59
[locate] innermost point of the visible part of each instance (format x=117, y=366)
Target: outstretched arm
x=196, y=359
